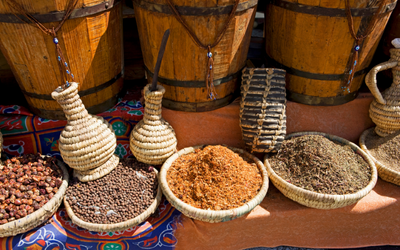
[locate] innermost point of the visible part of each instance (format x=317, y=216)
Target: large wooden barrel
x=91, y=41
x=311, y=40
x=184, y=66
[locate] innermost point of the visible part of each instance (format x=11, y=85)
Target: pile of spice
x=26, y=184
x=214, y=178
x=315, y=163
x=385, y=149
x=121, y=195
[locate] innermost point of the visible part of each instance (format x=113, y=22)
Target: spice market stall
x=115, y=201
x=267, y=225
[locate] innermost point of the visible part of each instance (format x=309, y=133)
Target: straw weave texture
x=153, y=140
x=116, y=226
x=384, y=172
x=318, y=200
x=211, y=215
x=263, y=109
x=385, y=109
x=97, y=173
x=87, y=142
x=41, y=215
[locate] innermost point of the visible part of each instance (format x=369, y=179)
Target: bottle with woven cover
x=385, y=108
x=153, y=140
x=88, y=142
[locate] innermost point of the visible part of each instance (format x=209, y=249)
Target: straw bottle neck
x=71, y=104
x=395, y=56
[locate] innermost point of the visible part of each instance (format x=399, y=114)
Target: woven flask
x=385, y=108
x=87, y=143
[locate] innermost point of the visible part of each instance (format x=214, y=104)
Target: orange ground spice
x=214, y=178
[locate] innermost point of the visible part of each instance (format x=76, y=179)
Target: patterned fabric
x=26, y=133
x=62, y=234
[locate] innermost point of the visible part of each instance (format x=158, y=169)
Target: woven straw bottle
x=385, y=108
x=88, y=142
x=153, y=140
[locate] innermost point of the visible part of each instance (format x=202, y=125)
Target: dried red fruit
x=20, y=180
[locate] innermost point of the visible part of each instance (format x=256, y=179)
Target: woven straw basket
x=210, y=215
x=263, y=109
x=318, y=200
x=116, y=226
x=38, y=217
x=384, y=172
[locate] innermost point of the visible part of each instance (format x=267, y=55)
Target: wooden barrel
x=91, y=41
x=184, y=66
x=311, y=40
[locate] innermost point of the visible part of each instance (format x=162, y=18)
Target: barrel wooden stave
x=91, y=45
x=185, y=61
x=320, y=45
x=44, y=7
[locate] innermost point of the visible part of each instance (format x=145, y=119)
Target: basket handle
x=370, y=79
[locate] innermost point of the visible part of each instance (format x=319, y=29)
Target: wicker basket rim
x=318, y=196
x=248, y=206
x=95, y=227
x=41, y=211
x=363, y=146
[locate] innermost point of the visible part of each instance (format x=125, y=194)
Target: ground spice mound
x=385, y=149
x=318, y=164
x=121, y=195
x=214, y=178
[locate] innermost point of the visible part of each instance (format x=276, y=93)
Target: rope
x=65, y=73
x=212, y=94
x=360, y=38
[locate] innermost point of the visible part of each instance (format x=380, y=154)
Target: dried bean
x=106, y=200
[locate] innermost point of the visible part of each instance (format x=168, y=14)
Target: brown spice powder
x=318, y=164
x=214, y=178
x=385, y=149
